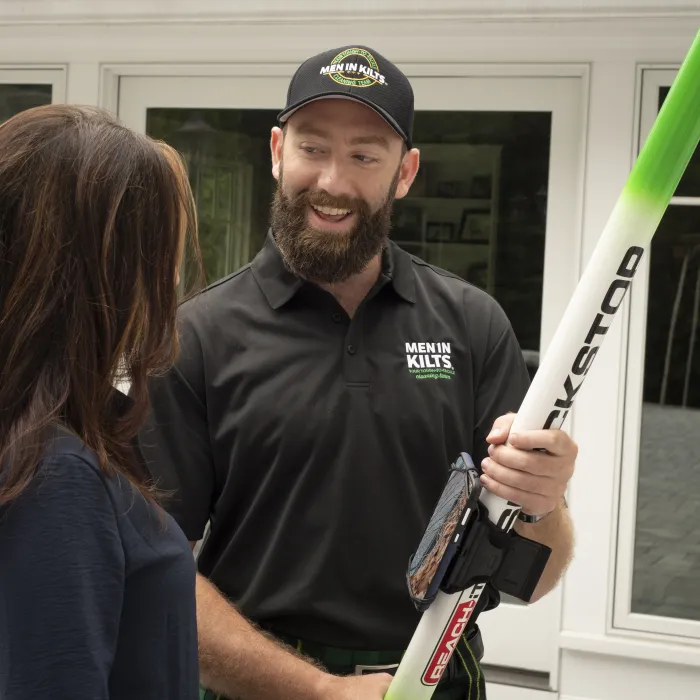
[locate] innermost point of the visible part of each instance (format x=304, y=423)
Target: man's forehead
x=328, y=118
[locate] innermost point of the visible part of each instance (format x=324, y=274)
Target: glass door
x=658, y=563
x=22, y=89
x=496, y=202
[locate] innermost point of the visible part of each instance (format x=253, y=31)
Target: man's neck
x=350, y=293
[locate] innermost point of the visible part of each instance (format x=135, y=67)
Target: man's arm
x=556, y=531
x=238, y=660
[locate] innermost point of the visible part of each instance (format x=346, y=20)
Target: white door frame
x=516, y=636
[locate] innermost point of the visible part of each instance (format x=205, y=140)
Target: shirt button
x=351, y=349
x=337, y=318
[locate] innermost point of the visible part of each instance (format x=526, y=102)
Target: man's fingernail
x=495, y=432
x=485, y=464
x=513, y=438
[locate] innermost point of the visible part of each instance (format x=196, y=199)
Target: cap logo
x=355, y=68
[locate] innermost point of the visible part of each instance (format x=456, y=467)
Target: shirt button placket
x=356, y=370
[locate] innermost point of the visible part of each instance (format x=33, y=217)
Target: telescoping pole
x=599, y=294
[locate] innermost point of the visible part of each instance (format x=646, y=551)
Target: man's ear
x=408, y=172
x=276, y=144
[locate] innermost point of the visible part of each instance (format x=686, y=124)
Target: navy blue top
x=97, y=589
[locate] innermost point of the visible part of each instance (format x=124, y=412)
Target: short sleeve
x=62, y=573
x=502, y=382
x=175, y=439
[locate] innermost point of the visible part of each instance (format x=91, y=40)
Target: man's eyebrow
x=310, y=130
x=372, y=140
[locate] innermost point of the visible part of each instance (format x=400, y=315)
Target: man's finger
x=556, y=442
x=501, y=429
x=520, y=480
x=535, y=463
x=529, y=502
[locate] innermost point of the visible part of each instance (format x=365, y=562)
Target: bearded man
x=321, y=394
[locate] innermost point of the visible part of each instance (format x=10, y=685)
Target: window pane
x=477, y=208
x=17, y=98
x=689, y=186
x=667, y=543
x=228, y=158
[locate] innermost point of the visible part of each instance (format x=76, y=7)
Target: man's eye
x=309, y=149
x=365, y=159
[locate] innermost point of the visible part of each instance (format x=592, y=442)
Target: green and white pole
x=599, y=294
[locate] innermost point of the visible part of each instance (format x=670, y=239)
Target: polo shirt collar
x=397, y=266
x=279, y=285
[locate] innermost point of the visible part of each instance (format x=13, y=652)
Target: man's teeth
x=329, y=211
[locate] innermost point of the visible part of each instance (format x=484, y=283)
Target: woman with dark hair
x=96, y=580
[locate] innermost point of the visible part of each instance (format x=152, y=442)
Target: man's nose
x=334, y=179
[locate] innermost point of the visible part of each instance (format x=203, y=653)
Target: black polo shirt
x=318, y=444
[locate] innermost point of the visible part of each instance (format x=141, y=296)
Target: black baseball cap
x=354, y=73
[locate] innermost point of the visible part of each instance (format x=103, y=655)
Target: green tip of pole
x=674, y=136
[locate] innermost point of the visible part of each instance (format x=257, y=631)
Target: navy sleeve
x=502, y=382
x=62, y=572
x=175, y=439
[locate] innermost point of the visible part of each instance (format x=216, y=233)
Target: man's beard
x=327, y=256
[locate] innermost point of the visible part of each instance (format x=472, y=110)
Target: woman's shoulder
x=69, y=463
x=67, y=507
x=144, y=526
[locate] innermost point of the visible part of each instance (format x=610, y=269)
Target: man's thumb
x=501, y=429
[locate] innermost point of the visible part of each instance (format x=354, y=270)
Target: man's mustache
x=321, y=198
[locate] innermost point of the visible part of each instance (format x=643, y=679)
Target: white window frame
x=36, y=75
x=624, y=621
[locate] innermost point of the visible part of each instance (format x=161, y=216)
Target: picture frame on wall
x=407, y=222
x=480, y=187
x=448, y=189
x=475, y=226
x=439, y=231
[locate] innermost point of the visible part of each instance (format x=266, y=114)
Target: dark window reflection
x=16, y=98
x=477, y=208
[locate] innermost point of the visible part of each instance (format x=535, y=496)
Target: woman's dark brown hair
x=93, y=220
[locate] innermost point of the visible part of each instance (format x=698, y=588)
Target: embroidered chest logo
x=430, y=360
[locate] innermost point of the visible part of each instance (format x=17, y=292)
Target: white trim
x=499, y=691
x=555, y=676
x=621, y=447
x=110, y=73
x=586, y=596
x=295, y=11
x=639, y=647
x=37, y=75
x=418, y=70
x=622, y=398
x=686, y=201
x=402, y=39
